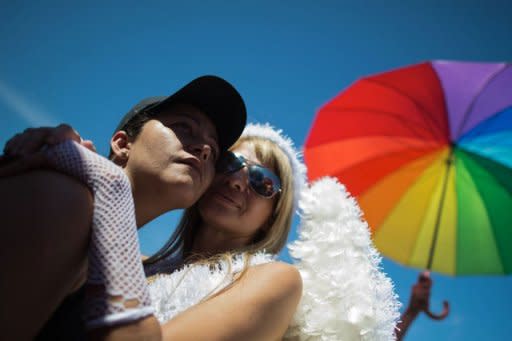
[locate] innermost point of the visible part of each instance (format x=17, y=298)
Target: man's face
x=173, y=158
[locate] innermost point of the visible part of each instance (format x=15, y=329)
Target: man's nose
x=202, y=150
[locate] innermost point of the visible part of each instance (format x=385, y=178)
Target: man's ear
x=120, y=143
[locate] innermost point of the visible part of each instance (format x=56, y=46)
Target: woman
x=225, y=245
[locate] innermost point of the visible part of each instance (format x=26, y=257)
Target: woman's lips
x=227, y=199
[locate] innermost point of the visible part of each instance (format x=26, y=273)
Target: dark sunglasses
x=261, y=179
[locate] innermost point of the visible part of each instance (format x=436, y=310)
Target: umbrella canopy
x=427, y=150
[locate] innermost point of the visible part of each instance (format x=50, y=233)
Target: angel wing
x=346, y=296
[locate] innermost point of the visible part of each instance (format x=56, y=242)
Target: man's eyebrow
x=198, y=122
x=187, y=115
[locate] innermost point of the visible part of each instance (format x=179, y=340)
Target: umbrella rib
x=469, y=152
x=400, y=118
x=449, y=163
x=394, y=152
x=395, y=207
x=435, y=127
x=481, y=131
x=395, y=170
x=469, y=110
x=486, y=212
x=416, y=244
x=380, y=135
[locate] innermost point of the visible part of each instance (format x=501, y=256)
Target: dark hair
x=134, y=126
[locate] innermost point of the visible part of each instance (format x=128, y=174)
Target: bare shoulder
x=280, y=270
x=277, y=279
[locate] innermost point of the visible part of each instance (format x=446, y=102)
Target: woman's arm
x=117, y=291
x=259, y=306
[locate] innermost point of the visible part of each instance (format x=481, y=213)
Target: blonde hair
x=271, y=239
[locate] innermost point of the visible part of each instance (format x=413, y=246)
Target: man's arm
x=46, y=219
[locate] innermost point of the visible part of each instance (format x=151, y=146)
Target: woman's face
x=173, y=157
x=231, y=206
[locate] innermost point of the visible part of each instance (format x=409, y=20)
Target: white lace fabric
x=115, y=271
x=173, y=293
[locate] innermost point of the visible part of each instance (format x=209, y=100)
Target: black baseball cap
x=214, y=96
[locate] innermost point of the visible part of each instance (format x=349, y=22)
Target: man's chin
x=188, y=194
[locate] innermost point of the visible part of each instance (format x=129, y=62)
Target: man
x=167, y=147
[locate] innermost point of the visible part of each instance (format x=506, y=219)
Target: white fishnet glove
x=116, y=276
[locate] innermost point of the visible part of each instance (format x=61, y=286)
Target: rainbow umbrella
x=427, y=150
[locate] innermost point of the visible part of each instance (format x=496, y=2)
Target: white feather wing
x=346, y=295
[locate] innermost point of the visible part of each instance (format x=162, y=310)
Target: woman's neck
x=210, y=241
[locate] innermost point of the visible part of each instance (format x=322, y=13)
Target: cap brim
x=218, y=100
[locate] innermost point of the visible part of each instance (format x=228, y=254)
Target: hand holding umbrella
x=420, y=298
x=420, y=301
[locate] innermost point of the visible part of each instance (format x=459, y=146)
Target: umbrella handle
x=442, y=315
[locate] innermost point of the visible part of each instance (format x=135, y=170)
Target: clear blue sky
x=87, y=62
